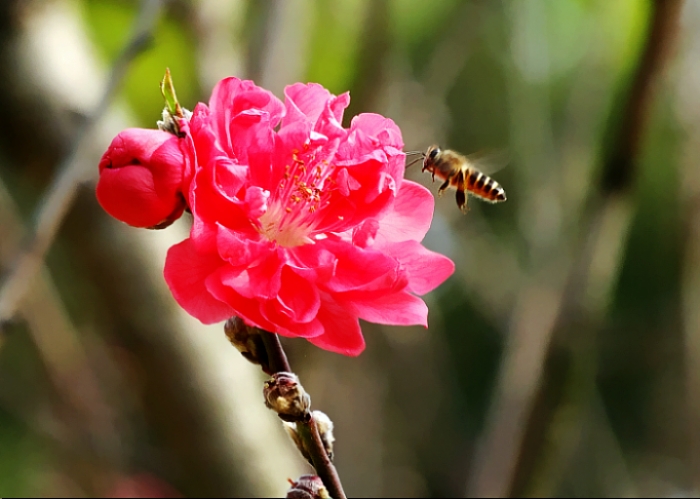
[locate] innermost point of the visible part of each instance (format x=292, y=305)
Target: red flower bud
x=142, y=175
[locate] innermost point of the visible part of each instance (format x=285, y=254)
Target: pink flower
x=143, y=176
x=303, y=230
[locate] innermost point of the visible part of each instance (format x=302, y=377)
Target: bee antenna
x=413, y=153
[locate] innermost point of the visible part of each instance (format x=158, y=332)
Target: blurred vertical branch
x=370, y=73
x=84, y=419
x=218, y=26
x=80, y=419
x=690, y=285
x=72, y=171
x=527, y=395
x=259, y=30
x=691, y=324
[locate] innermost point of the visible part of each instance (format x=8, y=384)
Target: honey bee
x=460, y=172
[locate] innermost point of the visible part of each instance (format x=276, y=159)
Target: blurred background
x=562, y=358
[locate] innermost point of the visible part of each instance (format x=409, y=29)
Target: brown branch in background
x=79, y=409
x=526, y=397
x=596, y=267
x=71, y=172
x=690, y=276
x=619, y=167
x=371, y=60
x=690, y=301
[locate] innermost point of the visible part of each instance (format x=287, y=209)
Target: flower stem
x=308, y=430
x=275, y=353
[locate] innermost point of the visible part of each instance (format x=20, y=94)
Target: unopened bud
x=248, y=341
x=143, y=177
x=307, y=487
x=325, y=431
x=285, y=395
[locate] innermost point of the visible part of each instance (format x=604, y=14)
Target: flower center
x=289, y=219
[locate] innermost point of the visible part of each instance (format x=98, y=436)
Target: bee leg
x=462, y=201
x=462, y=192
x=443, y=187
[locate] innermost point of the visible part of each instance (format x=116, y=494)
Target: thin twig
x=277, y=359
x=71, y=172
x=322, y=463
x=308, y=430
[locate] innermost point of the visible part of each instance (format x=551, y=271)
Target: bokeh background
x=562, y=358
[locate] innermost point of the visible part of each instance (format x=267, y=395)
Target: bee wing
x=489, y=161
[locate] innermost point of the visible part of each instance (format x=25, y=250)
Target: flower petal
x=301, y=330
x=247, y=309
x=358, y=268
x=342, y=333
x=186, y=271
x=402, y=309
x=382, y=129
x=425, y=269
x=304, y=102
x=259, y=279
x=299, y=296
x=232, y=97
x=410, y=216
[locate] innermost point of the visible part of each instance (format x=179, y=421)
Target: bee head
x=429, y=157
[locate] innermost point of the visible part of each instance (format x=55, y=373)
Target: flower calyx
x=173, y=111
x=285, y=395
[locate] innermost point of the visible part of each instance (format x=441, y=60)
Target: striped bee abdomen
x=485, y=187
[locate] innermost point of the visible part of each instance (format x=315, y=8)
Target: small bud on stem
x=325, y=431
x=308, y=487
x=248, y=341
x=285, y=395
